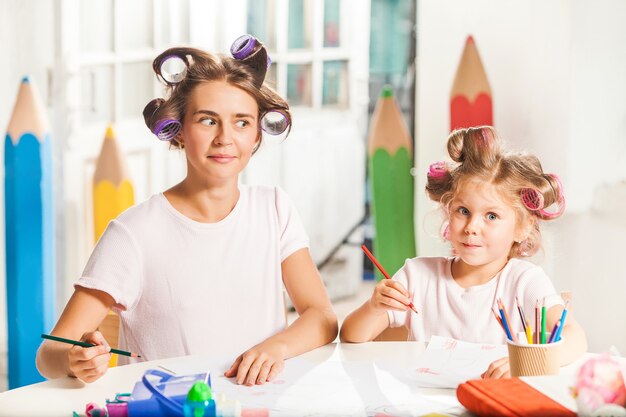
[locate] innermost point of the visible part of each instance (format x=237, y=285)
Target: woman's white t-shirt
x=183, y=287
x=447, y=309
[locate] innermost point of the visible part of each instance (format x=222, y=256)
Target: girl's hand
x=390, y=295
x=258, y=365
x=498, y=369
x=89, y=364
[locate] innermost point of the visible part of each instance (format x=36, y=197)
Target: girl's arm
x=369, y=320
x=82, y=315
x=315, y=326
x=573, y=335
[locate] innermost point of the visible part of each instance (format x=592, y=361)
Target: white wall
x=23, y=55
x=557, y=70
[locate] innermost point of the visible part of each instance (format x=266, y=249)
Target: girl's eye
x=464, y=211
x=492, y=216
x=208, y=122
x=242, y=123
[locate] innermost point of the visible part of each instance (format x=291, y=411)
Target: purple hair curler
x=245, y=46
x=167, y=129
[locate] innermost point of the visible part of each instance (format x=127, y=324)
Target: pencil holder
x=535, y=359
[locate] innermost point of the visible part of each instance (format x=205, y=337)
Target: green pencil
x=85, y=344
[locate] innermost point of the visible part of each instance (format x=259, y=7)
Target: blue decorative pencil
x=29, y=234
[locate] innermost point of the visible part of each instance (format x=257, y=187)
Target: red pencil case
x=509, y=397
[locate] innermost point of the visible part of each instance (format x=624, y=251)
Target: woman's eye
x=242, y=123
x=463, y=211
x=207, y=122
x=492, y=216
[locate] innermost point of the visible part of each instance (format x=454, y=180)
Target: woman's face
x=220, y=131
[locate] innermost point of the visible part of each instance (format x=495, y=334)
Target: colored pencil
x=85, y=344
x=521, y=313
x=554, y=332
x=470, y=98
x=508, y=320
x=29, y=233
x=390, y=159
x=495, y=314
x=505, y=325
x=563, y=317
x=382, y=270
x=537, y=322
x=543, y=321
x=529, y=335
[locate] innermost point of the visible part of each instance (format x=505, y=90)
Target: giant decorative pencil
x=470, y=98
x=112, y=194
x=390, y=152
x=112, y=189
x=29, y=211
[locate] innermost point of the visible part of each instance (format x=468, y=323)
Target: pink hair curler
x=437, y=170
x=533, y=200
x=560, y=200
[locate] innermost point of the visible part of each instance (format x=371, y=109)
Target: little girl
x=200, y=268
x=493, y=203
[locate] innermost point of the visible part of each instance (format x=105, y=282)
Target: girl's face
x=220, y=130
x=483, y=226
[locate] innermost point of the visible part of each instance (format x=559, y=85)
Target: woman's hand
x=89, y=364
x=258, y=365
x=390, y=295
x=498, y=369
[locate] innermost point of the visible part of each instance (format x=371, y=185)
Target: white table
x=61, y=396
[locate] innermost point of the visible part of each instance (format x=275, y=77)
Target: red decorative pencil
x=382, y=270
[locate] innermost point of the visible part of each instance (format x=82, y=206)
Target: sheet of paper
x=330, y=388
x=448, y=362
x=335, y=389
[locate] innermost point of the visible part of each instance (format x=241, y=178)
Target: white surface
x=370, y=369
x=448, y=362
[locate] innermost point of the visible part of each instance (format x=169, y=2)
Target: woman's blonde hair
x=477, y=155
x=203, y=67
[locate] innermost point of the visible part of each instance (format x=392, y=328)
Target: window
x=310, y=58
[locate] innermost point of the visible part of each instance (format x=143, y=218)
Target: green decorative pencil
x=85, y=344
x=390, y=161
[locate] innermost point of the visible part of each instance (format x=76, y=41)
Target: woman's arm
x=315, y=326
x=82, y=315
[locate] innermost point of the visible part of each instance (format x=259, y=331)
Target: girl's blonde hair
x=477, y=154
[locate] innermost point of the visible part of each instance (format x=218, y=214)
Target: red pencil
x=495, y=314
x=537, y=322
x=382, y=270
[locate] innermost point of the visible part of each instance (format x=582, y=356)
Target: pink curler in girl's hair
x=437, y=170
x=533, y=200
